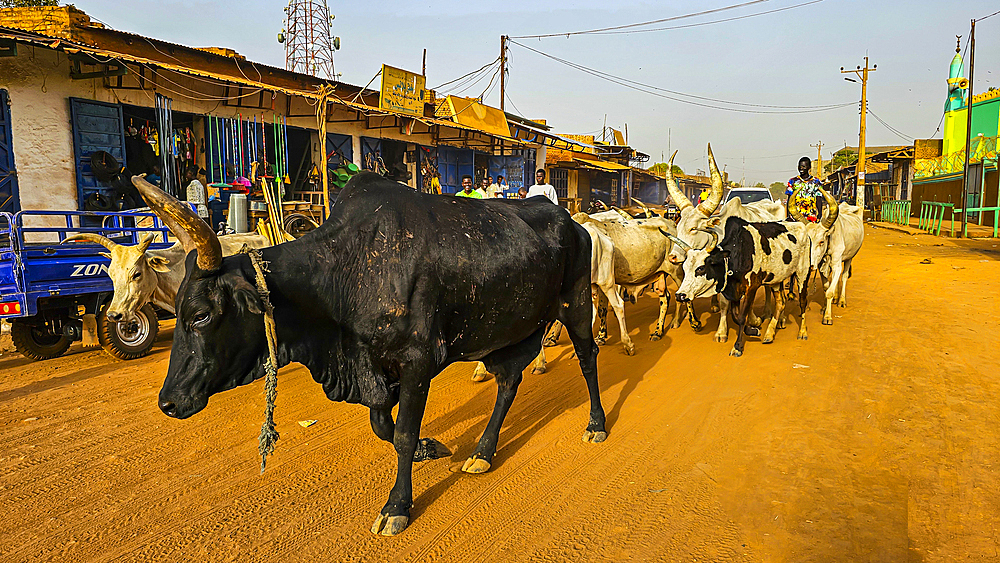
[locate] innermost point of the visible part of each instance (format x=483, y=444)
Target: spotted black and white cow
x=750, y=256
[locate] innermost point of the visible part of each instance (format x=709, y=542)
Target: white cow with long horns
x=696, y=223
x=141, y=275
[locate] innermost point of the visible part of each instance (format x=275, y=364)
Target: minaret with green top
x=954, y=117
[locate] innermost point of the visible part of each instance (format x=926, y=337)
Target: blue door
x=97, y=126
x=371, y=155
x=453, y=164
x=9, y=200
x=339, y=150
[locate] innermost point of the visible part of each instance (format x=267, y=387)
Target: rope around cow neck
x=268, y=434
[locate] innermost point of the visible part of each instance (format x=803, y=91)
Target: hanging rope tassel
x=268, y=433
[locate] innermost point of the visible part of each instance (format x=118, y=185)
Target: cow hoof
x=429, y=448
x=722, y=338
x=537, y=371
x=767, y=340
x=803, y=336
x=735, y=353
x=549, y=342
x=389, y=525
x=653, y=337
x=480, y=377
x=714, y=309
x=595, y=436
x=601, y=341
x=697, y=327
x=630, y=348
x=827, y=321
x=781, y=323
x=476, y=464
x=843, y=304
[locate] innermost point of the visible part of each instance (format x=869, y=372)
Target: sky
x=788, y=58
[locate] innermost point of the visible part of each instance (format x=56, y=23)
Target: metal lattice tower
x=309, y=40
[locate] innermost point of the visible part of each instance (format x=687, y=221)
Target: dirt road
x=875, y=440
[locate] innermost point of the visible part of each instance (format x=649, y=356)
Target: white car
x=750, y=195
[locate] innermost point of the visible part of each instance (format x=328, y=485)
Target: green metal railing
x=980, y=210
x=896, y=211
x=932, y=214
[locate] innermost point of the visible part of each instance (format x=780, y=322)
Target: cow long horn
x=675, y=193
x=649, y=214
x=676, y=240
x=833, y=210
x=95, y=238
x=192, y=232
x=715, y=240
x=709, y=206
x=143, y=245
x=793, y=210
x=623, y=214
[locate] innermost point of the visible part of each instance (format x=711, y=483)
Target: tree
x=660, y=168
x=843, y=157
x=759, y=185
x=27, y=3
x=777, y=189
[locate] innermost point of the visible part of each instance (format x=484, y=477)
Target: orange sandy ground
x=874, y=441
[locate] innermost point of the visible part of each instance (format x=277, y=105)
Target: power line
x=712, y=22
x=650, y=22
x=470, y=83
x=656, y=91
x=891, y=129
x=989, y=16
x=519, y=112
x=480, y=69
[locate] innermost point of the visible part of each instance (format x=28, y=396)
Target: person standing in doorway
x=803, y=192
x=196, y=192
x=467, y=190
x=496, y=188
x=541, y=188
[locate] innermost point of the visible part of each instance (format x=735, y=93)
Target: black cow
x=393, y=288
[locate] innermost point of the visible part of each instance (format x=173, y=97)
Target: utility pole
x=503, y=71
x=862, y=73
x=968, y=129
x=819, y=158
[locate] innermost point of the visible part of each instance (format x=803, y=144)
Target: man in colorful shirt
x=803, y=192
x=467, y=190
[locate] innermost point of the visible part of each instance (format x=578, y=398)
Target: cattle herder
x=803, y=192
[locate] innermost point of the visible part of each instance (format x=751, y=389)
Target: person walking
x=467, y=190
x=803, y=192
x=543, y=189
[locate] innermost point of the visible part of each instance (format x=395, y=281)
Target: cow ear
x=714, y=222
x=246, y=299
x=244, y=294
x=159, y=264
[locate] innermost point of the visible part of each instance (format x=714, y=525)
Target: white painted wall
x=39, y=87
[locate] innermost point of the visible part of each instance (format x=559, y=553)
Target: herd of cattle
x=396, y=285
